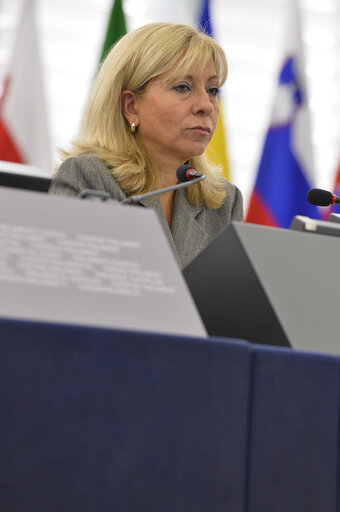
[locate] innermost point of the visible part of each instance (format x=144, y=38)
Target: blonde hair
x=132, y=62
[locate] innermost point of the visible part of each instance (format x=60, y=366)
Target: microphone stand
x=135, y=199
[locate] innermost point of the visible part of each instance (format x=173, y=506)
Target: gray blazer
x=192, y=227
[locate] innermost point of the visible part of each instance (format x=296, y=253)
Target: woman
x=153, y=107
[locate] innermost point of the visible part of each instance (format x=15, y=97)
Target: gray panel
x=270, y=285
x=334, y=217
x=83, y=262
x=301, y=223
x=300, y=275
x=229, y=294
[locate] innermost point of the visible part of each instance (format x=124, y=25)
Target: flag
x=337, y=182
x=24, y=132
x=336, y=208
x=216, y=150
x=116, y=28
x=285, y=172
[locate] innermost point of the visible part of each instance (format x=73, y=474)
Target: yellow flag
x=217, y=148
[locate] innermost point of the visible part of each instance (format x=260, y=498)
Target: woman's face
x=177, y=118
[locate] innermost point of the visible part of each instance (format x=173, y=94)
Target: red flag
x=337, y=181
x=336, y=190
x=24, y=130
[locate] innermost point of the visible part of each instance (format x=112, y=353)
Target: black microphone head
x=186, y=173
x=319, y=197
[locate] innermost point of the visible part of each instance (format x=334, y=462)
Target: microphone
x=319, y=197
x=186, y=174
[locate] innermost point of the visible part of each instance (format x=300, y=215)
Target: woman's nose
x=202, y=103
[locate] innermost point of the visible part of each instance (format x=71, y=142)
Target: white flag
x=24, y=132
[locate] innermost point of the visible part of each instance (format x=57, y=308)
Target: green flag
x=116, y=28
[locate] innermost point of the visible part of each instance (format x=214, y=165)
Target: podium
x=270, y=286
x=98, y=417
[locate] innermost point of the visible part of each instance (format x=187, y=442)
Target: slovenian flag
x=216, y=150
x=24, y=133
x=285, y=172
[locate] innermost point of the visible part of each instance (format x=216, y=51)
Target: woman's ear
x=128, y=99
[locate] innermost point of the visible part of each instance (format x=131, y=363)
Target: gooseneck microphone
x=186, y=174
x=320, y=197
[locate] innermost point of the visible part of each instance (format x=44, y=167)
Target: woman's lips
x=203, y=130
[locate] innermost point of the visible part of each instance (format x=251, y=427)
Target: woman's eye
x=182, y=87
x=214, y=91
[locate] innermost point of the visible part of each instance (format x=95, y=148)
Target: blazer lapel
x=188, y=228
x=187, y=236
x=153, y=202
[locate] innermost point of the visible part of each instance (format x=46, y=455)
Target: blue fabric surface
x=100, y=420
x=294, y=432
x=103, y=420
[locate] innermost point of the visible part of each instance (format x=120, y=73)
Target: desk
x=103, y=420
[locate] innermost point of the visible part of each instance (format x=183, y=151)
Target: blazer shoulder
x=233, y=202
x=81, y=172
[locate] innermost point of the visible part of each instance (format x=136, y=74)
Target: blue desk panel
x=100, y=420
x=294, y=432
